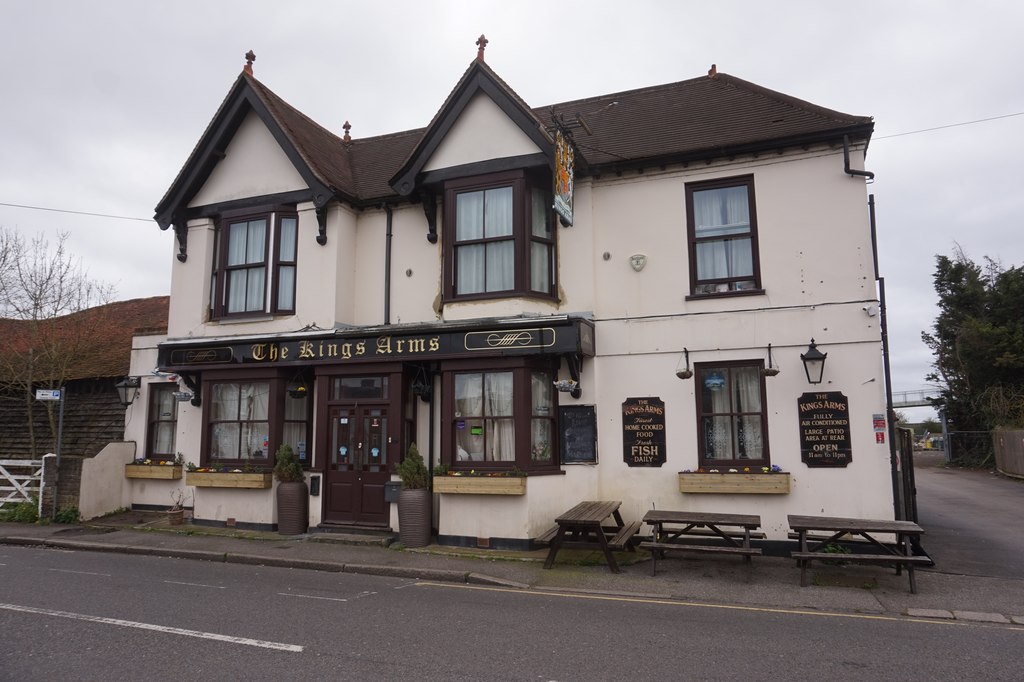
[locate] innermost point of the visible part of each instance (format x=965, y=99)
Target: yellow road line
x=707, y=605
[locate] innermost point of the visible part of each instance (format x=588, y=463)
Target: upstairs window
x=500, y=229
x=722, y=230
x=255, y=265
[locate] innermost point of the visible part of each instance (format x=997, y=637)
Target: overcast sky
x=103, y=101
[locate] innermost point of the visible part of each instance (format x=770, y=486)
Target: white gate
x=21, y=480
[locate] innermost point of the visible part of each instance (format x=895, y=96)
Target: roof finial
x=713, y=71
x=481, y=45
x=250, y=57
x=347, y=127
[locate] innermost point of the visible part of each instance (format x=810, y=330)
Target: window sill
x=229, y=479
x=734, y=484
x=725, y=294
x=480, y=485
x=158, y=471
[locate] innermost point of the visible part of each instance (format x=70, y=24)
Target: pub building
x=612, y=298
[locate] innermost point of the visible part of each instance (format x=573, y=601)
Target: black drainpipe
x=387, y=268
x=884, y=325
x=846, y=161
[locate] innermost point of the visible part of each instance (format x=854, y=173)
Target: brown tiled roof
x=98, y=339
x=325, y=153
x=706, y=117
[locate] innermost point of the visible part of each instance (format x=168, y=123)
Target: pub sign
x=825, y=429
x=643, y=432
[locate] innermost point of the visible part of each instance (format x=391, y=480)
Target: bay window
x=722, y=232
x=248, y=417
x=254, y=264
x=732, y=419
x=500, y=417
x=500, y=229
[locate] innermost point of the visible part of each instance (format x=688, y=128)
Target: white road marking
x=310, y=596
x=64, y=570
x=215, y=587
x=280, y=646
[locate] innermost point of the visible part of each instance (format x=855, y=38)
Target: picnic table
x=901, y=554
x=676, y=530
x=586, y=526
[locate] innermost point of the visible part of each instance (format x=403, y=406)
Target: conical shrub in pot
x=292, y=493
x=413, y=500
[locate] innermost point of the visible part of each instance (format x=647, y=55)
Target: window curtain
x=747, y=396
x=469, y=410
x=541, y=390
x=501, y=436
x=718, y=427
x=721, y=213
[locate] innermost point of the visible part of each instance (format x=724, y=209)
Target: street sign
x=47, y=394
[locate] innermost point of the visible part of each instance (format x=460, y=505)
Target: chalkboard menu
x=579, y=434
x=643, y=432
x=824, y=429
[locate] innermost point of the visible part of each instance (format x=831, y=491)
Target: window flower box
x=168, y=472
x=480, y=485
x=229, y=479
x=734, y=483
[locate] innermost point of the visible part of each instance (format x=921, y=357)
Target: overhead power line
x=64, y=210
x=951, y=125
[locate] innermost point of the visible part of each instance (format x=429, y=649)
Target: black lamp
x=814, y=363
x=127, y=389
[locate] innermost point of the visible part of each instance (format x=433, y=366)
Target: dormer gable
x=476, y=99
x=319, y=158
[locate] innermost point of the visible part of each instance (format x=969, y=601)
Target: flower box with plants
x=479, y=483
x=229, y=477
x=730, y=480
x=167, y=469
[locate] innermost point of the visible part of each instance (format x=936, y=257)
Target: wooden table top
x=669, y=516
x=835, y=523
x=589, y=512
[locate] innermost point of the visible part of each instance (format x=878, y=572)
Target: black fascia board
x=211, y=149
x=478, y=82
x=279, y=199
x=831, y=136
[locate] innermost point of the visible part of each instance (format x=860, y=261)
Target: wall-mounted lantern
x=127, y=389
x=814, y=363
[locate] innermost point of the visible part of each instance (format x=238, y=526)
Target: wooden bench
x=659, y=548
x=899, y=555
x=585, y=527
x=618, y=538
x=672, y=529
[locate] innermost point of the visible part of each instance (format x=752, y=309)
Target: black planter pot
x=292, y=508
x=414, y=517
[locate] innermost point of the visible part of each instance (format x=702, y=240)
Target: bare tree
x=41, y=289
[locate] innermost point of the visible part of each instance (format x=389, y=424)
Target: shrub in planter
x=413, y=500
x=292, y=493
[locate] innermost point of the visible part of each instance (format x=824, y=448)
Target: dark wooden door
x=358, y=467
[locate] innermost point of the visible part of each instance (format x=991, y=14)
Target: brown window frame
x=278, y=393
x=271, y=263
x=692, y=242
x=522, y=370
x=155, y=389
x=701, y=369
x=522, y=184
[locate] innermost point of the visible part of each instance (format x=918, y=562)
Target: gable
x=482, y=132
x=253, y=165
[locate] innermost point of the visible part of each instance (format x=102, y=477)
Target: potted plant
x=292, y=493
x=413, y=500
x=176, y=513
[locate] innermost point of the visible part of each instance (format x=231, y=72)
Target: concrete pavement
x=768, y=582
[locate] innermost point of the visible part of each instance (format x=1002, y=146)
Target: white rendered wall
x=482, y=132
